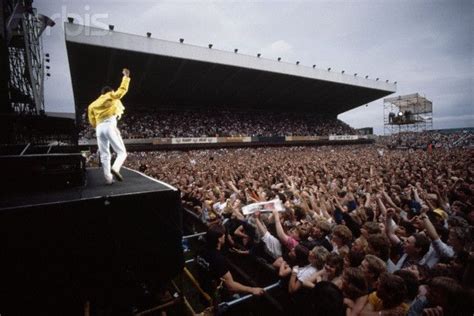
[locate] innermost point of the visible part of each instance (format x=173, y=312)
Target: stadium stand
x=211, y=123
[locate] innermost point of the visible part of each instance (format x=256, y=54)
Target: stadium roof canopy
x=170, y=74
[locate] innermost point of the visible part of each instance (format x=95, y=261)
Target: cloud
x=426, y=46
x=280, y=48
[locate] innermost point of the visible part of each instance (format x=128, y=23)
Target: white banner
x=343, y=137
x=194, y=140
x=267, y=206
x=302, y=138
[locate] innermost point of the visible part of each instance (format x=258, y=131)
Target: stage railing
x=223, y=306
x=226, y=305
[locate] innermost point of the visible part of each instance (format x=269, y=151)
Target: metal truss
x=26, y=82
x=409, y=113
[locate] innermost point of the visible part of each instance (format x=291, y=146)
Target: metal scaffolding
x=408, y=113
x=23, y=29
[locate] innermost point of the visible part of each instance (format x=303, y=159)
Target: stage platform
x=134, y=182
x=96, y=243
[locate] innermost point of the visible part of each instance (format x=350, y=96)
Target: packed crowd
x=150, y=124
x=437, y=139
x=380, y=232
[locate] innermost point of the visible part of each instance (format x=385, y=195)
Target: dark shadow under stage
x=62, y=247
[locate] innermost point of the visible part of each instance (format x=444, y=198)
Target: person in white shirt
x=316, y=257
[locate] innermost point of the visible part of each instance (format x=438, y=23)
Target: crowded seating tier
x=158, y=124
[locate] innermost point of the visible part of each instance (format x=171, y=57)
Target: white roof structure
x=182, y=74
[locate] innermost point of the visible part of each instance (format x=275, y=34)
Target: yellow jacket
x=108, y=104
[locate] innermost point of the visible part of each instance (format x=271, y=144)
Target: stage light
x=210, y=45
x=111, y=27
x=386, y=81
x=395, y=82
x=258, y=55
x=48, y=74
x=236, y=50
x=367, y=77
x=400, y=113
x=47, y=60
x=342, y=72
x=279, y=58
x=355, y=75
x=148, y=34
x=47, y=67
x=70, y=19
x=44, y=22
x=46, y=55
x=314, y=66
x=181, y=40
x=329, y=69
x=297, y=63
x=376, y=79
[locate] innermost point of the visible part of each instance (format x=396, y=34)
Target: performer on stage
x=103, y=115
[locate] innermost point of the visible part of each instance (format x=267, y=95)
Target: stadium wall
x=180, y=143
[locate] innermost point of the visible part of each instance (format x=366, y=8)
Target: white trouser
x=108, y=134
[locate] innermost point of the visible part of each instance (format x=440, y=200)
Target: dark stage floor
x=134, y=182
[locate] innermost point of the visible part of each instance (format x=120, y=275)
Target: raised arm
x=279, y=229
x=338, y=203
x=390, y=228
x=294, y=284
x=390, y=201
x=439, y=246
x=122, y=90
x=382, y=207
x=416, y=196
x=232, y=186
x=304, y=203
x=262, y=229
x=237, y=213
x=367, y=200
x=240, y=232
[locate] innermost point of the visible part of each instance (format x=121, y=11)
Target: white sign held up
x=267, y=206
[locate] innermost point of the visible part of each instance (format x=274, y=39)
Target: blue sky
x=426, y=46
